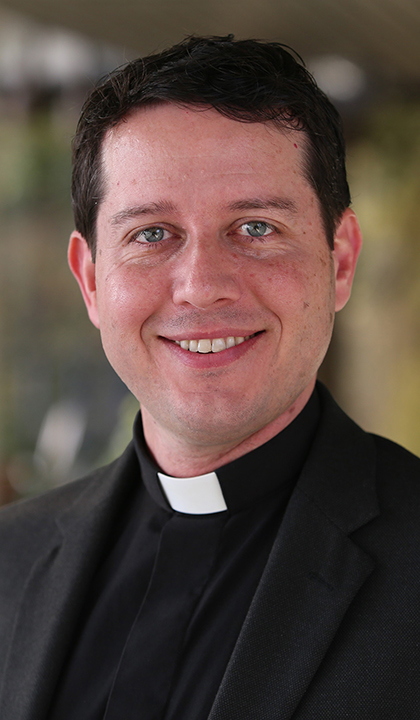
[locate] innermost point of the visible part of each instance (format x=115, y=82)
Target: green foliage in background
x=382, y=322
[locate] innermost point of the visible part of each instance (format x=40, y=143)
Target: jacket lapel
x=55, y=591
x=313, y=573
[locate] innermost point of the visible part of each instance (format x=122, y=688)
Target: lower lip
x=212, y=360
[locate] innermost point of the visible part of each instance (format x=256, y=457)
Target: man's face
x=210, y=231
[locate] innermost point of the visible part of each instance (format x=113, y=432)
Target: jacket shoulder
x=46, y=506
x=398, y=483
x=393, y=457
x=27, y=526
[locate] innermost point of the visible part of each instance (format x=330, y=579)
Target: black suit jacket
x=333, y=630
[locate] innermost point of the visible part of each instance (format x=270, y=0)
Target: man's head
x=223, y=247
x=244, y=80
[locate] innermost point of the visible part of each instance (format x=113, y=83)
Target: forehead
x=188, y=147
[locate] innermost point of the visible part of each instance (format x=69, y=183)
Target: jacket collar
x=339, y=475
x=313, y=574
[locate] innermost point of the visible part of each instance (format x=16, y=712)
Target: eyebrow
x=164, y=206
x=276, y=203
x=154, y=208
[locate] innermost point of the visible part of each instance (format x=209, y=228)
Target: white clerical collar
x=199, y=495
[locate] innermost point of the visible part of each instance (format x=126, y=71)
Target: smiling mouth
x=212, y=345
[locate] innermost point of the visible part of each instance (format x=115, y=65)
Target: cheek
x=126, y=298
x=302, y=293
x=286, y=286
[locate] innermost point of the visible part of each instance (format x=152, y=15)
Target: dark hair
x=245, y=80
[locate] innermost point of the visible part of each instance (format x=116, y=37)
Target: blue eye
x=151, y=235
x=256, y=228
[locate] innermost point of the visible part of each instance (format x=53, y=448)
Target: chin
x=215, y=424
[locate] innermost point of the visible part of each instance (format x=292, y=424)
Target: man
x=253, y=554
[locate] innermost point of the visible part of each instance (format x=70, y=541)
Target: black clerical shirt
x=171, y=593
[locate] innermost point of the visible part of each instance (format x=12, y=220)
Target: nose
x=206, y=275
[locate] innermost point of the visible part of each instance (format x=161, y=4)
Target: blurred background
x=62, y=408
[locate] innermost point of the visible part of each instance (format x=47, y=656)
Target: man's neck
x=179, y=458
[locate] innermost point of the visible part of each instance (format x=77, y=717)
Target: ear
x=83, y=269
x=347, y=246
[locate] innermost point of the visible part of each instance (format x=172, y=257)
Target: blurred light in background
x=341, y=79
x=31, y=53
x=60, y=439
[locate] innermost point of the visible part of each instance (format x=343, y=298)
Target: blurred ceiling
x=382, y=36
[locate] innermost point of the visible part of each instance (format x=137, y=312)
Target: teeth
x=216, y=345
x=204, y=346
